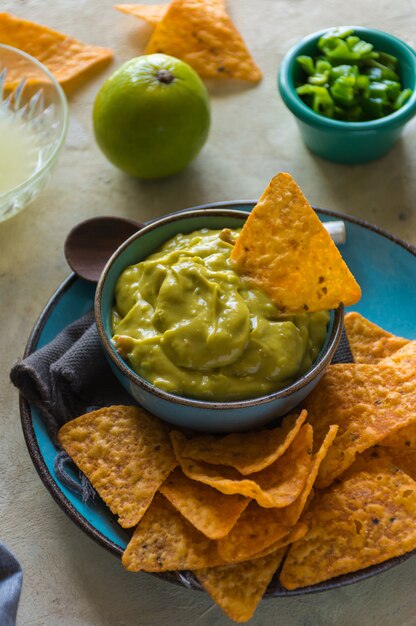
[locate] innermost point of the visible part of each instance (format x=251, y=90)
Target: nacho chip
x=154, y=13
x=150, y=13
x=201, y=34
x=284, y=250
x=276, y=486
x=405, y=459
x=369, y=343
x=404, y=438
x=258, y=528
x=248, y=452
x=209, y=510
x=404, y=357
x=238, y=589
x=125, y=453
x=390, y=457
x=295, y=534
x=164, y=540
x=69, y=60
x=368, y=402
x=367, y=518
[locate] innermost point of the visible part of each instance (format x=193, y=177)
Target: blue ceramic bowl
x=348, y=142
x=200, y=415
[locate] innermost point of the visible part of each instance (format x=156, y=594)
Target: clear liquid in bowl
x=20, y=150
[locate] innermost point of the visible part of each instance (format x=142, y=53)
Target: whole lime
x=152, y=116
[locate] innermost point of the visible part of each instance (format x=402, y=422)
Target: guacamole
x=188, y=323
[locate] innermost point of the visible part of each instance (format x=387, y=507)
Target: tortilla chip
x=367, y=518
x=404, y=438
x=404, y=357
x=405, y=459
x=150, y=13
x=284, y=250
x=69, y=60
x=125, y=453
x=202, y=34
x=295, y=534
x=238, y=589
x=164, y=540
x=276, y=486
x=258, y=528
x=154, y=13
x=368, y=402
x=369, y=343
x=247, y=452
x=209, y=510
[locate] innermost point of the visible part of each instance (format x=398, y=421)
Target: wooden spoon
x=91, y=243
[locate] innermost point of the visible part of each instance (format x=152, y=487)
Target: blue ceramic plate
x=385, y=268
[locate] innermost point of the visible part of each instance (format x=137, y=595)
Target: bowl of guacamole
x=196, y=344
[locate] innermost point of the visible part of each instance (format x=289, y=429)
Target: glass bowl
x=33, y=125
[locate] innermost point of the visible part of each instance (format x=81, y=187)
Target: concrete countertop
x=68, y=579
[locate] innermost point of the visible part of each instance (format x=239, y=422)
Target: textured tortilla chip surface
x=367, y=518
x=150, y=13
x=277, y=485
x=403, y=438
x=285, y=250
x=68, y=59
x=369, y=343
x=202, y=34
x=209, y=510
x=367, y=402
x=164, y=541
x=258, y=528
x=154, y=13
x=405, y=459
x=296, y=533
x=404, y=357
x=238, y=589
x=125, y=453
x=248, y=452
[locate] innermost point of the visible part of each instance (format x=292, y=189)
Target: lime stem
x=164, y=76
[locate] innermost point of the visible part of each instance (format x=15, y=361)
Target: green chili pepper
x=321, y=101
x=362, y=83
x=343, y=91
x=306, y=64
x=386, y=72
x=349, y=80
x=401, y=98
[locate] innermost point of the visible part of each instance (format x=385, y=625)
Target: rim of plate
x=185, y=579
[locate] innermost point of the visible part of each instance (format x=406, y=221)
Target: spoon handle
x=336, y=230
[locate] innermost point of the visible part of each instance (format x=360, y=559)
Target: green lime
x=152, y=116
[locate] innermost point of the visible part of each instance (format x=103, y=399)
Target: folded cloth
x=10, y=586
x=70, y=376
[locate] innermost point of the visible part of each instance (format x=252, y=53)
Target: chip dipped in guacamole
x=187, y=322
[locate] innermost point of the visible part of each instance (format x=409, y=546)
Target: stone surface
x=68, y=579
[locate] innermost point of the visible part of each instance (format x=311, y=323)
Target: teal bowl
x=349, y=142
x=201, y=415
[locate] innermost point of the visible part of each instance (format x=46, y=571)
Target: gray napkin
x=70, y=376
x=10, y=586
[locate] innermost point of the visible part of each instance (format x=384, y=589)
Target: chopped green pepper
x=319, y=98
x=349, y=80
